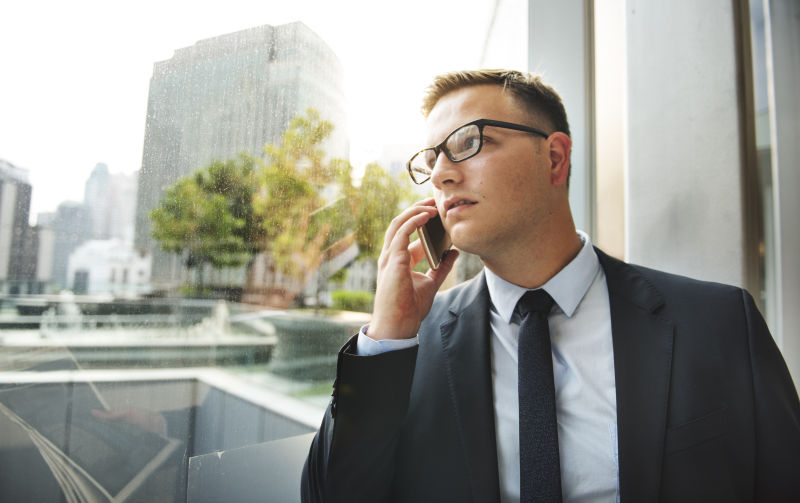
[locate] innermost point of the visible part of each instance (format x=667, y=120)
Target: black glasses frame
x=481, y=123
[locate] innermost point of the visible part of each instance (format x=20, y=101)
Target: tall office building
x=95, y=197
x=226, y=95
x=71, y=227
x=16, y=265
x=111, y=200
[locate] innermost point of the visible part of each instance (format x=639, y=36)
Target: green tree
x=292, y=178
x=235, y=181
x=229, y=211
x=199, y=225
x=376, y=202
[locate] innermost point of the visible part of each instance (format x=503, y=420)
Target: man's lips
x=456, y=204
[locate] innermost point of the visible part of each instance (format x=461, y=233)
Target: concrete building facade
x=109, y=266
x=18, y=241
x=71, y=226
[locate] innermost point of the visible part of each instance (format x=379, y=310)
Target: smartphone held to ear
x=435, y=241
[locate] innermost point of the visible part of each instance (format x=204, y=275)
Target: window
x=225, y=339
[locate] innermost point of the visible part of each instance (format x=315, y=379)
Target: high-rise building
x=226, y=95
x=95, y=197
x=111, y=201
x=17, y=267
x=72, y=226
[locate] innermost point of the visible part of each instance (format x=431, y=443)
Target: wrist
x=376, y=332
x=367, y=346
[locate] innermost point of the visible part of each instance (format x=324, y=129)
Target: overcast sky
x=75, y=75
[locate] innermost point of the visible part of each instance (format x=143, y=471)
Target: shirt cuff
x=367, y=346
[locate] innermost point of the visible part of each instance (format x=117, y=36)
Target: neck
x=533, y=263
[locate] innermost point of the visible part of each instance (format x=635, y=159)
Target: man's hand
x=403, y=296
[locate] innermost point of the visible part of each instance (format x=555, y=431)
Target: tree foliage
x=208, y=216
x=294, y=204
x=376, y=202
x=292, y=179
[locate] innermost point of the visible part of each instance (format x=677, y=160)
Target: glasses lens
x=463, y=143
x=421, y=165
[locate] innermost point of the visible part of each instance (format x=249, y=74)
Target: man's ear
x=560, y=145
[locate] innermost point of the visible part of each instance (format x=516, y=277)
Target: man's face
x=496, y=201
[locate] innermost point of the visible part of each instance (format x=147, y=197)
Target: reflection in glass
x=118, y=362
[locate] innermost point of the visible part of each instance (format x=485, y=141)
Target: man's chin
x=462, y=241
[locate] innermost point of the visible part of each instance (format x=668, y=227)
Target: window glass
x=192, y=199
x=763, y=134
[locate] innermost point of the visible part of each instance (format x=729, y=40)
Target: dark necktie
x=539, y=467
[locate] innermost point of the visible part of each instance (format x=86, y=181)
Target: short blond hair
x=540, y=100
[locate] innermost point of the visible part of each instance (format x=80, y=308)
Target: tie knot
x=535, y=301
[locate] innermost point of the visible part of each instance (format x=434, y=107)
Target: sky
x=74, y=76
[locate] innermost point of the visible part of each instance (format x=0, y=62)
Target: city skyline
x=84, y=101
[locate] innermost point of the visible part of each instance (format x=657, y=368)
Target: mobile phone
x=435, y=241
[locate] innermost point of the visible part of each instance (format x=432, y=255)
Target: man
x=665, y=388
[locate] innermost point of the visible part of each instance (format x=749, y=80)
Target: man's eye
x=464, y=141
x=472, y=142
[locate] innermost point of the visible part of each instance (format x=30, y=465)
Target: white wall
x=684, y=186
x=114, y=267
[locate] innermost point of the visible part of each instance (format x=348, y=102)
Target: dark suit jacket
x=706, y=409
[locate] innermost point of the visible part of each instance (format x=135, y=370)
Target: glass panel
x=192, y=199
x=764, y=159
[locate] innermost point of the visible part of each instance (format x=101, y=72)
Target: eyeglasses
x=460, y=145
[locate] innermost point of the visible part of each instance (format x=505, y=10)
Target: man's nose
x=446, y=171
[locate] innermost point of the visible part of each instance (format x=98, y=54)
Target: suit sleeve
x=352, y=455
x=777, y=412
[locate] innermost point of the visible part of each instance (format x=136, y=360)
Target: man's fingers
x=402, y=239
x=398, y=238
x=417, y=252
x=426, y=205
x=438, y=276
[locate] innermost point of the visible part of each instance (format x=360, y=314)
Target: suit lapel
x=465, y=345
x=642, y=362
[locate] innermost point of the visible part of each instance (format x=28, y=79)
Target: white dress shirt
x=583, y=367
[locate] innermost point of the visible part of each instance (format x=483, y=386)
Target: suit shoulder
x=661, y=288
x=695, y=299
x=675, y=283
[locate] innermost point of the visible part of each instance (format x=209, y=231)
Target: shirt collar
x=567, y=287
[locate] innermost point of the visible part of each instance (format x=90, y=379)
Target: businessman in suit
x=653, y=387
